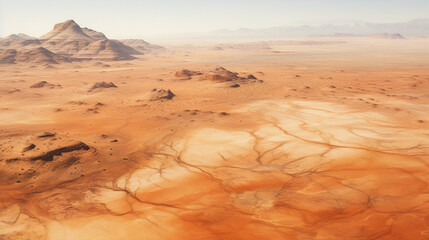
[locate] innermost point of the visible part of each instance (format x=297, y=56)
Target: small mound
x=102, y=85
x=161, y=94
x=186, y=74
x=42, y=84
x=250, y=76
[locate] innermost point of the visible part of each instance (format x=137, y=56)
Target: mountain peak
x=68, y=30
x=67, y=24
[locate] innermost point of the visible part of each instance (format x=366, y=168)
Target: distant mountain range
x=419, y=27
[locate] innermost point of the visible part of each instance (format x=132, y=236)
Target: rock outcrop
x=161, y=94
x=102, y=85
x=220, y=74
x=186, y=74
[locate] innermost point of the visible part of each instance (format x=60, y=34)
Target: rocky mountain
x=68, y=41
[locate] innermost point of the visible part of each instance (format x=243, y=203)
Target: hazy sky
x=127, y=18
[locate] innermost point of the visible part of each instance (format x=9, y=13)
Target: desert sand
x=316, y=138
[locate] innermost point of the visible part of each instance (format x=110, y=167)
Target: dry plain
x=333, y=143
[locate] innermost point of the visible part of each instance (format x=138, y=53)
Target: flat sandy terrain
x=332, y=144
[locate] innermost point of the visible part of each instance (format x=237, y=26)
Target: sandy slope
x=332, y=145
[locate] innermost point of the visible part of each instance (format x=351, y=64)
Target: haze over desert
x=324, y=136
